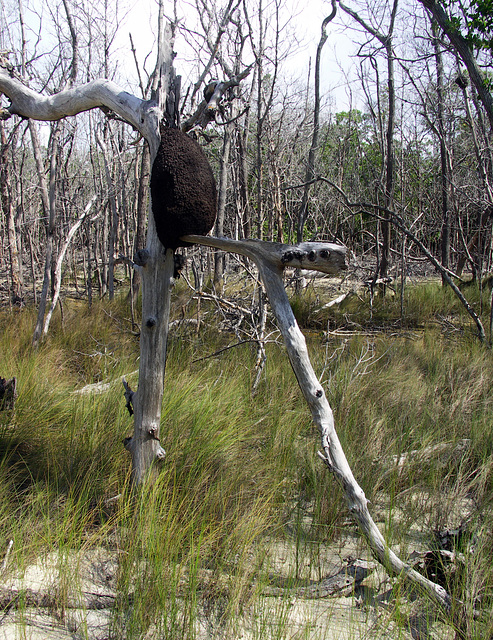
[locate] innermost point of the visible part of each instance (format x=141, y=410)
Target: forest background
x=413, y=137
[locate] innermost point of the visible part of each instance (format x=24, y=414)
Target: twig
x=7, y=554
x=230, y=346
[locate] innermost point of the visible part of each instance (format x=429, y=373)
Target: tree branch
x=269, y=260
x=316, y=256
x=462, y=47
x=104, y=94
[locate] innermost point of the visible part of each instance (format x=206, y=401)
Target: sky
x=138, y=17
x=307, y=17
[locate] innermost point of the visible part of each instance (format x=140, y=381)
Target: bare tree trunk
x=142, y=209
x=444, y=153
x=221, y=205
x=155, y=263
x=61, y=255
x=310, y=169
x=244, y=199
x=157, y=283
x=112, y=218
x=277, y=203
x=157, y=270
x=48, y=195
x=8, y=209
x=390, y=159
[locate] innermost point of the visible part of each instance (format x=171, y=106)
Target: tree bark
x=462, y=47
x=221, y=205
x=142, y=209
x=96, y=94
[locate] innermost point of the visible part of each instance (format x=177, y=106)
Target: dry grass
x=243, y=473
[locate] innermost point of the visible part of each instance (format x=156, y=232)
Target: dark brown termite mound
x=183, y=189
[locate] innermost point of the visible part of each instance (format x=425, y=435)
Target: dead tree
x=156, y=265
x=271, y=259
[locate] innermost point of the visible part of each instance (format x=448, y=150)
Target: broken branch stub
x=325, y=257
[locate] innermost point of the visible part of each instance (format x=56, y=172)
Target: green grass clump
x=421, y=305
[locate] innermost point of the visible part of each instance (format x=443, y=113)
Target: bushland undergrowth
x=242, y=471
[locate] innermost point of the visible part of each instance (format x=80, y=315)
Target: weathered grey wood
x=317, y=256
x=158, y=267
x=99, y=93
x=157, y=282
x=270, y=265
x=340, y=584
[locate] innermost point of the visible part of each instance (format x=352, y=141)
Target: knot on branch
x=129, y=394
x=326, y=460
x=297, y=255
x=179, y=261
x=8, y=66
x=290, y=255
x=153, y=433
x=141, y=257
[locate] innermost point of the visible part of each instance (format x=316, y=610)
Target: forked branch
x=268, y=258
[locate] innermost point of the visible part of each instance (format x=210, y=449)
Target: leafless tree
x=386, y=42
x=310, y=168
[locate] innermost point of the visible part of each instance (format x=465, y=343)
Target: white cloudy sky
x=307, y=19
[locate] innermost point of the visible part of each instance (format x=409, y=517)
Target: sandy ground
x=362, y=613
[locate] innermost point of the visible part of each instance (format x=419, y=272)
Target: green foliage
x=476, y=19
x=350, y=146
